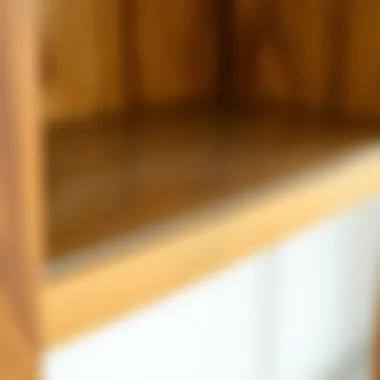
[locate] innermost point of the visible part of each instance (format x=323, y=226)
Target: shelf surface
x=240, y=184
x=110, y=178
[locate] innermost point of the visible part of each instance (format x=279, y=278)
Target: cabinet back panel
x=102, y=56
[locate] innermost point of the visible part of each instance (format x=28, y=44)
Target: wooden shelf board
x=109, y=178
x=243, y=197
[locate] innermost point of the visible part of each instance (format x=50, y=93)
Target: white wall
x=293, y=313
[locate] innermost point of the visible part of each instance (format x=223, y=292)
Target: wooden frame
x=32, y=310
x=20, y=192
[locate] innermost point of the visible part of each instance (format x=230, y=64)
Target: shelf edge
x=89, y=297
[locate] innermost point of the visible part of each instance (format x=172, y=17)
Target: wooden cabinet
x=130, y=163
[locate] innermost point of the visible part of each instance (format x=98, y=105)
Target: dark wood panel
x=282, y=51
x=20, y=184
x=364, y=58
x=178, y=50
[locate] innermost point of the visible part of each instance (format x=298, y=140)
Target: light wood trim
x=20, y=192
x=86, y=298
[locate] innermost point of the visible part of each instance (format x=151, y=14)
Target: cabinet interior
x=153, y=109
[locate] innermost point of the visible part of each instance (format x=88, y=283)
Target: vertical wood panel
x=364, y=70
x=177, y=50
x=20, y=184
x=102, y=55
x=281, y=51
x=86, y=71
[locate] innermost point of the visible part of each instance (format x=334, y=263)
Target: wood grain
x=281, y=53
x=20, y=151
x=129, y=276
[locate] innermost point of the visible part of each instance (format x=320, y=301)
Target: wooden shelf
x=106, y=179
x=131, y=209
x=138, y=209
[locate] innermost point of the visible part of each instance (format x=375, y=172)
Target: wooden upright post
x=20, y=195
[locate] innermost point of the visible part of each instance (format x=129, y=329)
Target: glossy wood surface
x=110, y=177
x=121, y=275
